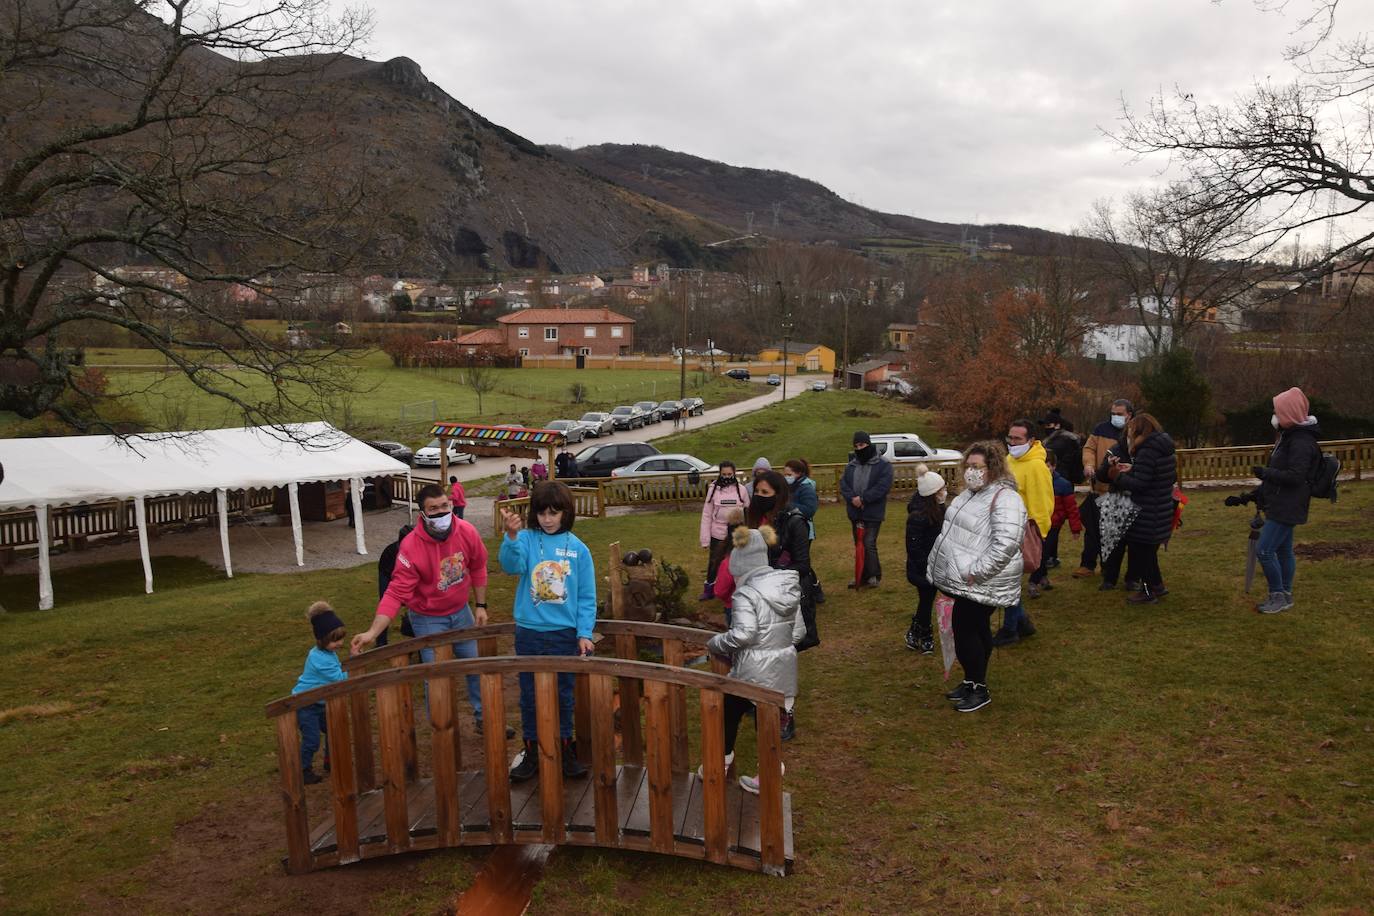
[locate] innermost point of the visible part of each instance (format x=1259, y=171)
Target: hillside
x=806, y=210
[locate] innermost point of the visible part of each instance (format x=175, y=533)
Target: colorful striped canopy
x=498, y=435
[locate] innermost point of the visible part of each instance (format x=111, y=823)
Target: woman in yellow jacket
x=1033, y=481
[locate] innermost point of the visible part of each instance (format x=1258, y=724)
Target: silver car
x=597, y=424
x=572, y=430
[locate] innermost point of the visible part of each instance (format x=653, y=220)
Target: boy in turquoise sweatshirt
x=555, y=608
x=321, y=668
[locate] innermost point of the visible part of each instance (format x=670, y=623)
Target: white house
x=1122, y=341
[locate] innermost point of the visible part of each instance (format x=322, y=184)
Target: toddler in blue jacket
x=321, y=667
x=555, y=608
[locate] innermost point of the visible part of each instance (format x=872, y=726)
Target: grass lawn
x=1191, y=756
x=526, y=396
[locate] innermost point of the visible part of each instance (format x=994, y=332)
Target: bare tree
x=1176, y=259
x=159, y=160
x=481, y=378
x=1296, y=155
x=1072, y=296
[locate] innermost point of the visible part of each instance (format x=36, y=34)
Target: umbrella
x=859, y=555
x=1252, y=549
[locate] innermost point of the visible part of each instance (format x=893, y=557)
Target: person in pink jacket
x=724, y=494
x=441, y=576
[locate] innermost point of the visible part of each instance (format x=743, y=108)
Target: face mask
x=1018, y=450
x=790, y=478
x=974, y=477
x=1118, y=421
x=439, y=524
x=764, y=503
x=1274, y=421
x=726, y=481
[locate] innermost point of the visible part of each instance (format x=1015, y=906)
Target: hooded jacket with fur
x=765, y=617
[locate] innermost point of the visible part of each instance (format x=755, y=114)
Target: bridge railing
x=658, y=747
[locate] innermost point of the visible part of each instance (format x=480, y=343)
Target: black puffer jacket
x=921, y=533
x=1285, y=490
x=1150, y=483
x=793, y=550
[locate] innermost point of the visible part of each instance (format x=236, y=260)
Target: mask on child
x=1018, y=450
x=1118, y=421
x=974, y=477
x=790, y=478
x=1274, y=421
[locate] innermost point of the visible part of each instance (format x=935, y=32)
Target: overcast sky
x=976, y=110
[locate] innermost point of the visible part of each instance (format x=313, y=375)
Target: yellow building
x=809, y=356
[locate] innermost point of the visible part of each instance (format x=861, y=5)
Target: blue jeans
x=1275, y=554
x=1012, y=616
x=310, y=720
x=424, y=624
x=545, y=642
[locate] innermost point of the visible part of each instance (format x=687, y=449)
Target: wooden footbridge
x=642, y=791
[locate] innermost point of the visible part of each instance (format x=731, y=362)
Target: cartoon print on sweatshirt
x=549, y=581
x=452, y=571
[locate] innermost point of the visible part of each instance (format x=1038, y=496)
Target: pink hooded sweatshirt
x=1291, y=408
x=719, y=501
x=433, y=577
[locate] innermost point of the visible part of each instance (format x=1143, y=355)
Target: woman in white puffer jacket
x=976, y=560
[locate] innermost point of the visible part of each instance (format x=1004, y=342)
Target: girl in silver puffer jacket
x=765, y=625
x=977, y=561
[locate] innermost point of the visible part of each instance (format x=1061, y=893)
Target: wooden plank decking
x=632, y=796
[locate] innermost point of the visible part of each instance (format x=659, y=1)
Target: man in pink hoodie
x=440, y=565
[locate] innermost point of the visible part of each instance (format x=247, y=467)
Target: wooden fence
x=649, y=800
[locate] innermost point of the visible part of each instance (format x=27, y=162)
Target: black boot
x=572, y=767
x=526, y=765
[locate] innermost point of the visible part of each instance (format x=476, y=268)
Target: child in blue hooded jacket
x=555, y=608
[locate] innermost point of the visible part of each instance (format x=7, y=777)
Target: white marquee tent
x=67, y=471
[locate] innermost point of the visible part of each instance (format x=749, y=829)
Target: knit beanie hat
x=323, y=620
x=1291, y=408
x=751, y=550
x=862, y=437
x=762, y=464
x=929, y=483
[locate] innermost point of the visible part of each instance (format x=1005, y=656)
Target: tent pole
x=410, y=498
x=355, y=486
x=44, y=562
x=141, y=519
x=293, y=494
x=222, y=500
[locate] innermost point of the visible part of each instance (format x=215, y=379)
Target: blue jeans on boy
x=425, y=624
x=545, y=642
x=310, y=720
x=1275, y=554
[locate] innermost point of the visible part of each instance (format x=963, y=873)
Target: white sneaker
x=729, y=766
x=750, y=784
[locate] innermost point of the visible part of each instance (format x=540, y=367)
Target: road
x=487, y=467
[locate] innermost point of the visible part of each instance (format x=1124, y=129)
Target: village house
x=902, y=336
x=866, y=376
x=1122, y=338
x=482, y=342
x=810, y=356
x=1346, y=277
x=568, y=332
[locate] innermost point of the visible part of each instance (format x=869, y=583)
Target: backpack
x=1324, y=480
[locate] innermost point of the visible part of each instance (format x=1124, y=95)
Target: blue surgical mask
x=1118, y=421
x=790, y=478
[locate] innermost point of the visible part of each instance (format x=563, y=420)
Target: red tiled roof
x=482, y=337
x=565, y=316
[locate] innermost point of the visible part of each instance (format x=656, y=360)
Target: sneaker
x=927, y=645
x=1133, y=585
x=729, y=768
x=1083, y=572
x=572, y=767
x=1046, y=584
x=1276, y=602
x=789, y=725
x=1141, y=596
x=310, y=777
x=873, y=582
x=750, y=784
x=1052, y=563
x=913, y=641
x=820, y=594
x=525, y=766
x=1024, y=627
x=1159, y=592
x=1033, y=590
x=977, y=699
x=1106, y=586
x=1005, y=638
x=1288, y=596
x=958, y=693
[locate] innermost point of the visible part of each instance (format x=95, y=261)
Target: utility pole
x=682, y=381
x=786, y=335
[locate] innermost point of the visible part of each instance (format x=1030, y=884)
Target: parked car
x=739, y=374
x=597, y=424
x=394, y=449
x=600, y=460
x=775, y=379
x=904, y=448
x=695, y=407
x=428, y=457
x=820, y=385
x=651, y=412
x=664, y=464
x=572, y=430
x=627, y=416
x=669, y=410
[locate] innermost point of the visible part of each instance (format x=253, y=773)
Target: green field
x=1191, y=756
x=383, y=393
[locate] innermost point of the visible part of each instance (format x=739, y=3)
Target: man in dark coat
x=386, y=565
x=867, y=481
